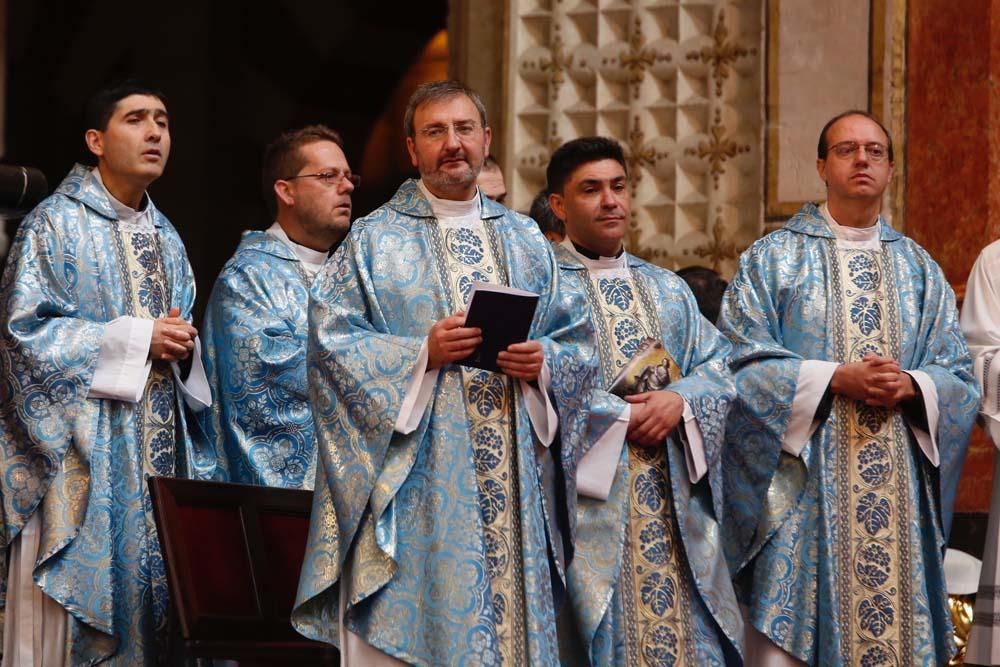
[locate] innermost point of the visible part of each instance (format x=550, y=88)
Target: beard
x=441, y=180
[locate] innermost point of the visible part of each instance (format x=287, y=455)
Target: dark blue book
x=504, y=315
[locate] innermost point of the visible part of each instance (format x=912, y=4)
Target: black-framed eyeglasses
x=330, y=178
x=876, y=152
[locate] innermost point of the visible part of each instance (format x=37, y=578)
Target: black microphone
x=21, y=188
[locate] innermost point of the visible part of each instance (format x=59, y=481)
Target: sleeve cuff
x=814, y=378
x=694, y=446
x=596, y=471
x=541, y=412
x=927, y=439
x=195, y=390
x=123, y=363
x=418, y=393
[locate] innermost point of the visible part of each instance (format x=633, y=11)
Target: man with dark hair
x=490, y=180
x=844, y=448
x=648, y=536
x=435, y=521
x=552, y=227
x=256, y=323
x=96, y=303
x=708, y=288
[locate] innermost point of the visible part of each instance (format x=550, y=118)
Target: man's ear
x=95, y=142
x=284, y=193
x=411, y=151
x=558, y=205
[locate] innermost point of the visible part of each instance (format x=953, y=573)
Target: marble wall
x=953, y=174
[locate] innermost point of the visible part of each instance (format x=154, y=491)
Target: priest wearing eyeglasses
x=844, y=448
x=256, y=322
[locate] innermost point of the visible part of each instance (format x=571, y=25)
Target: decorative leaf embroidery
x=875, y=614
x=492, y=500
x=658, y=592
x=649, y=489
x=873, y=512
x=486, y=392
x=616, y=292
x=866, y=314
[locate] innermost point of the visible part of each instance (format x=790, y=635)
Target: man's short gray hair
x=437, y=91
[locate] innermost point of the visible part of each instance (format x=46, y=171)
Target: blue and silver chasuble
x=839, y=550
x=648, y=584
x=254, y=333
x=447, y=539
x=80, y=463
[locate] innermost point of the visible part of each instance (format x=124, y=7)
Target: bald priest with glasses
x=855, y=402
x=256, y=322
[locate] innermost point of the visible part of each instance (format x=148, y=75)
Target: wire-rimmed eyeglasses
x=330, y=178
x=876, y=152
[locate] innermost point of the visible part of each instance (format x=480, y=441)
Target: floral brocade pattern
x=471, y=256
x=254, y=337
x=653, y=586
x=154, y=418
x=873, y=534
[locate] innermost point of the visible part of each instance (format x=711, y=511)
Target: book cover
x=650, y=369
x=504, y=314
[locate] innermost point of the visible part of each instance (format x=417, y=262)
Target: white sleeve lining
x=123, y=363
x=418, y=393
x=927, y=440
x=196, y=391
x=541, y=412
x=814, y=378
x=596, y=471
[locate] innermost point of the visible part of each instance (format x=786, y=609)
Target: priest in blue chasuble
x=648, y=584
x=96, y=302
x=844, y=449
x=256, y=322
x=439, y=521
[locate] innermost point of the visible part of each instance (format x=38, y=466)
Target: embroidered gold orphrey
x=470, y=254
x=140, y=263
x=653, y=584
x=873, y=545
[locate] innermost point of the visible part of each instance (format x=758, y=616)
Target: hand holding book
x=449, y=340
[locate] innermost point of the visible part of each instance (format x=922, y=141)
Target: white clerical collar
x=599, y=264
x=852, y=234
x=448, y=208
x=312, y=259
x=126, y=213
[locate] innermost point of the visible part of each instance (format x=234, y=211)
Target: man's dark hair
x=542, y=213
x=708, y=287
x=490, y=163
x=571, y=155
x=283, y=159
x=438, y=91
x=100, y=107
x=822, y=147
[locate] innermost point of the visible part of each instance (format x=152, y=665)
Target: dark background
x=235, y=74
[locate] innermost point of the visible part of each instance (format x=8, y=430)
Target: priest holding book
x=440, y=512
x=648, y=584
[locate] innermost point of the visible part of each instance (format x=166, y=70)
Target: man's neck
x=296, y=234
x=858, y=214
x=124, y=190
x=596, y=253
x=459, y=193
